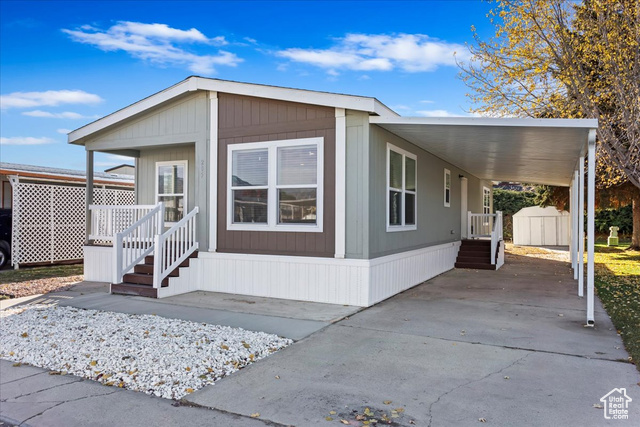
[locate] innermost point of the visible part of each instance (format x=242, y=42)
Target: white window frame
x=185, y=184
x=405, y=154
x=447, y=173
x=272, y=186
x=486, y=191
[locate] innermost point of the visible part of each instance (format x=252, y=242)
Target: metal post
x=581, y=229
x=591, y=201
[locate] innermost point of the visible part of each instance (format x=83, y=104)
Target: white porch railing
x=109, y=220
x=174, y=246
x=137, y=241
x=486, y=225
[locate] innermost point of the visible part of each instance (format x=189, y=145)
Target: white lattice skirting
x=336, y=281
x=49, y=220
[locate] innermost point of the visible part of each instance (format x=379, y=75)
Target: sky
x=66, y=64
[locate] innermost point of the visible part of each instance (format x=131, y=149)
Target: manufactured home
x=287, y=193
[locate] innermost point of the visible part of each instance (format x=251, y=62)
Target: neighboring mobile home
x=306, y=195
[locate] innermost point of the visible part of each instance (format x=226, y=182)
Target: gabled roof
x=195, y=83
x=66, y=175
x=124, y=165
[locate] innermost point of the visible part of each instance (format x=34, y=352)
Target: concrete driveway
x=506, y=348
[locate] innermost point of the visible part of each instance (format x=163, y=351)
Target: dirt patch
x=537, y=252
x=38, y=286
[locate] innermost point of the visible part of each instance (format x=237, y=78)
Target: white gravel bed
x=164, y=357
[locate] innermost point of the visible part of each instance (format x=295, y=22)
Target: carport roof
x=542, y=151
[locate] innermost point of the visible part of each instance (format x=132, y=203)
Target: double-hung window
x=171, y=189
x=401, y=189
x=486, y=200
x=276, y=185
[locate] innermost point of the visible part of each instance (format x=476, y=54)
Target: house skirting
x=335, y=281
x=98, y=263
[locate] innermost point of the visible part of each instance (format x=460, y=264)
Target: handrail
x=136, y=241
x=174, y=246
x=496, y=236
x=480, y=225
x=108, y=220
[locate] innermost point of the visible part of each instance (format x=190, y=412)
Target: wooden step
x=143, y=279
x=473, y=260
x=149, y=259
x=476, y=242
x=134, y=289
x=475, y=266
x=148, y=269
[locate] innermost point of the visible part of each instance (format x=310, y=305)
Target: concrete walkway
x=507, y=347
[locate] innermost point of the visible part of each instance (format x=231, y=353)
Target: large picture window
x=276, y=185
x=401, y=189
x=171, y=189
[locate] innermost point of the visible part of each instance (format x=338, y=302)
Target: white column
x=572, y=223
x=213, y=171
x=581, y=229
x=463, y=206
x=341, y=182
x=88, y=197
x=575, y=211
x=591, y=206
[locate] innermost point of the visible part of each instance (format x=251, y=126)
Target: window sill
x=394, y=228
x=278, y=228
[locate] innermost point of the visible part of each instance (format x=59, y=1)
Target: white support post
x=88, y=195
x=574, y=225
x=591, y=203
x=341, y=182
x=213, y=171
x=581, y=229
x=464, y=218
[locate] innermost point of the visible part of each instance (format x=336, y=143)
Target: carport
x=541, y=151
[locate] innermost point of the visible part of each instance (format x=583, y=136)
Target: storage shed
x=536, y=226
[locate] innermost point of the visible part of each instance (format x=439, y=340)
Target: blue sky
x=64, y=64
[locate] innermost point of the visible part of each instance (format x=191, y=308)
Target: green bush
x=621, y=218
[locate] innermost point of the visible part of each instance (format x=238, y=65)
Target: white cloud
x=64, y=131
x=438, y=113
x=63, y=115
x=427, y=101
x=49, y=98
x=370, y=52
x=156, y=43
x=401, y=107
x=25, y=140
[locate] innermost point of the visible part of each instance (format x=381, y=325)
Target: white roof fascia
x=191, y=84
x=487, y=121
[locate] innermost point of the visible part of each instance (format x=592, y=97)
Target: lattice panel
x=49, y=220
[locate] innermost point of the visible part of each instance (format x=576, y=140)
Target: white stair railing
x=174, y=246
x=480, y=225
x=135, y=242
x=108, y=220
x=496, y=236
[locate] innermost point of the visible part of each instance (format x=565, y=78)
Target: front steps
x=475, y=254
x=140, y=282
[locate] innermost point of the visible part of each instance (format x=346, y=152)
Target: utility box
x=536, y=226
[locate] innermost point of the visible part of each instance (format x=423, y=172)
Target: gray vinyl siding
x=357, y=183
x=436, y=224
x=184, y=120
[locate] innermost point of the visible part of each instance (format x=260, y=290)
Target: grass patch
x=617, y=282
x=33, y=273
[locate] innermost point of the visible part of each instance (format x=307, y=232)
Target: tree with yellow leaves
x=562, y=59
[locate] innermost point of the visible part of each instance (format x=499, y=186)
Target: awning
x=541, y=151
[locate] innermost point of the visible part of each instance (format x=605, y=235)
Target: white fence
x=49, y=220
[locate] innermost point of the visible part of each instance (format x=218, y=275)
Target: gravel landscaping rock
x=38, y=286
x=164, y=357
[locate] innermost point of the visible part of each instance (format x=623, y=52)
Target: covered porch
x=539, y=151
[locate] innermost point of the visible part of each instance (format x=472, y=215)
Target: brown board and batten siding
x=244, y=119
